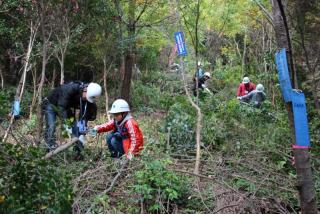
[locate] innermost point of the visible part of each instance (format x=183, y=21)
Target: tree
x=305, y=27
x=139, y=15
x=302, y=157
x=33, y=23
x=65, y=28
x=46, y=35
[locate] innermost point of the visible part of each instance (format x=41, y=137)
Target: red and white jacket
x=131, y=134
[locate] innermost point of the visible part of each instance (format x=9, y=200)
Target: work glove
x=67, y=130
x=82, y=139
x=208, y=91
x=93, y=132
x=239, y=98
x=129, y=155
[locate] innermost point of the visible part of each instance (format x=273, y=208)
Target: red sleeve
x=253, y=86
x=132, y=127
x=105, y=127
x=239, y=93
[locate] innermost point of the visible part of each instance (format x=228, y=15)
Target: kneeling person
x=126, y=136
x=255, y=97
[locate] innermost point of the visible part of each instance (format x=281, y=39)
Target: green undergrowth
x=30, y=184
x=242, y=147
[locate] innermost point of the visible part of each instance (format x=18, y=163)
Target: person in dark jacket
x=63, y=102
x=201, y=83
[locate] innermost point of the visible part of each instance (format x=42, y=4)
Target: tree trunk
x=130, y=56
x=196, y=47
x=126, y=83
x=120, y=32
x=197, y=108
x=2, y=79
x=199, y=122
x=43, y=73
x=53, y=77
x=302, y=157
x=196, y=31
x=20, y=87
x=243, y=64
x=105, y=73
x=62, y=70
x=34, y=97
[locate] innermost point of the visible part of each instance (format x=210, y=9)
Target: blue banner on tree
x=181, y=45
x=16, y=108
x=300, y=120
x=283, y=74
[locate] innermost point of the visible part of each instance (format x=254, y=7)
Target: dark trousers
x=115, y=145
x=49, y=135
x=50, y=119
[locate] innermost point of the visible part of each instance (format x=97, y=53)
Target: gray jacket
x=254, y=97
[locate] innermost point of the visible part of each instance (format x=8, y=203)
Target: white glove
x=207, y=90
x=82, y=139
x=129, y=156
x=67, y=129
x=204, y=86
x=93, y=132
x=239, y=98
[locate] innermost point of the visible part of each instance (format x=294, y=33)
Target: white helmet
x=260, y=88
x=207, y=74
x=119, y=106
x=245, y=80
x=93, y=91
x=199, y=63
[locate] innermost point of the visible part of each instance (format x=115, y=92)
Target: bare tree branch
x=265, y=11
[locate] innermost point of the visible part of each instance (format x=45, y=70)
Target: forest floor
x=241, y=171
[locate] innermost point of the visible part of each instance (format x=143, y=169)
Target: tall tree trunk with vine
x=302, y=157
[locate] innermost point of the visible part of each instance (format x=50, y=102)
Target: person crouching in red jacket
x=125, y=136
x=245, y=87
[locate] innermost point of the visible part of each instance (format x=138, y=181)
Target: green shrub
x=29, y=184
x=180, y=125
x=148, y=98
x=6, y=103
x=159, y=186
x=7, y=99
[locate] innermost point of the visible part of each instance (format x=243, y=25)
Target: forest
x=160, y=106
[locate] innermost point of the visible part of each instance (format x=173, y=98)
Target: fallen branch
x=225, y=207
x=116, y=177
x=208, y=178
x=61, y=148
x=113, y=182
